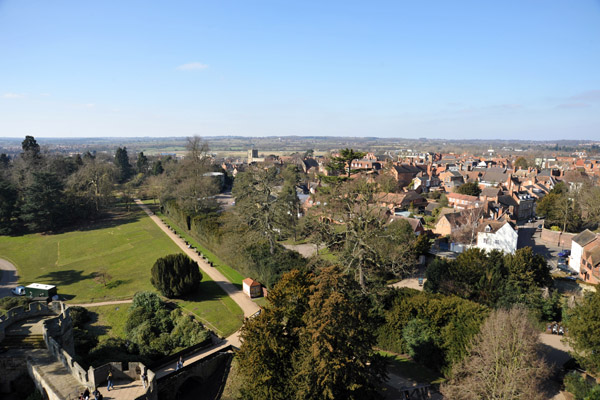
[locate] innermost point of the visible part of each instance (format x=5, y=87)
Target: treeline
x=571, y=208
x=42, y=192
x=235, y=244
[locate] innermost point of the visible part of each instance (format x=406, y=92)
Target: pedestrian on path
x=110, y=381
x=179, y=364
x=145, y=379
x=96, y=394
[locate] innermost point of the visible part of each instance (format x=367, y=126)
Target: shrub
x=579, y=387
x=175, y=275
x=79, y=316
x=7, y=303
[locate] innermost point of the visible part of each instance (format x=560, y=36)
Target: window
x=496, y=242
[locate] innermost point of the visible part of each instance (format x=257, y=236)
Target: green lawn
x=108, y=321
x=120, y=251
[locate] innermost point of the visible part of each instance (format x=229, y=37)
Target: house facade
x=577, y=244
x=497, y=235
x=589, y=269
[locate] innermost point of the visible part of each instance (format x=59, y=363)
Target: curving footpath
x=8, y=277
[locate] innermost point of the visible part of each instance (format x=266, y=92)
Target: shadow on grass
x=208, y=290
x=117, y=283
x=115, y=217
x=67, y=277
x=97, y=330
x=110, y=221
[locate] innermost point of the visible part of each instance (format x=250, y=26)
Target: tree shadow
x=67, y=277
x=110, y=221
x=117, y=283
x=556, y=360
x=97, y=330
x=208, y=290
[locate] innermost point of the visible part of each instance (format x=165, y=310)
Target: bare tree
x=189, y=184
x=95, y=179
x=503, y=362
x=467, y=233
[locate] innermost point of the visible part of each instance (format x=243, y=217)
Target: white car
x=18, y=291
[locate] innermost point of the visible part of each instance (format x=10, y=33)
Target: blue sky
x=439, y=69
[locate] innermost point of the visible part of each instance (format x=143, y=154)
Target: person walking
x=110, y=381
x=145, y=379
x=96, y=393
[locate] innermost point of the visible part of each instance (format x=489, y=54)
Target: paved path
x=8, y=277
x=412, y=283
x=307, y=249
x=104, y=303
x=247, y=305
x=171, y=367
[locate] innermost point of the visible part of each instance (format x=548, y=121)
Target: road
x=530, y=236
x=8, y=277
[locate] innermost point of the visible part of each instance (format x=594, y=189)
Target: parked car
x=18, y=291
x=564, y=253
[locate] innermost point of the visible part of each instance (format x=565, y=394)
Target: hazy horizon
x=459, y=70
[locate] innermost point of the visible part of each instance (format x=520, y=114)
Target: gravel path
x=8, y=277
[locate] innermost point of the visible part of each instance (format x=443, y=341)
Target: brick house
x=590, y=262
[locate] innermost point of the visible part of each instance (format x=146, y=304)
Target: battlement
x=35, y=309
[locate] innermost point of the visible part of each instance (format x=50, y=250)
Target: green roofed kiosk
x=40, y=290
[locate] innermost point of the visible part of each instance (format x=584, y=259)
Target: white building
x=577, y=244
x=497, y=235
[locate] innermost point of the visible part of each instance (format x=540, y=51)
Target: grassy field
x=110, y=260
x=108, y=321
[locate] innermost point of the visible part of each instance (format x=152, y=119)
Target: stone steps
x=24, y=342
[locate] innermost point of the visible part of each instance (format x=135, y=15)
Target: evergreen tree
x=142, y=163
x=157, y=168
x=175, y=275
x=31, y=150
x=314, y=339
x=469, y=188
x=584, y=324
x=342, y=162
x=336, y=358
x=8, y=206
x=123, y=166
x=270, y=340
x=4, y=161
x=42, y=203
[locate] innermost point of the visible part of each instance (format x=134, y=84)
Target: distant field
x=110, y=260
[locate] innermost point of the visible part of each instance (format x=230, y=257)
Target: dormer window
x=488, y=228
